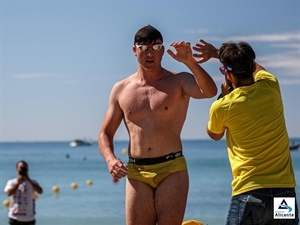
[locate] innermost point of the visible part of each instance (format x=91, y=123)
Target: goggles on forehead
x=155, y=47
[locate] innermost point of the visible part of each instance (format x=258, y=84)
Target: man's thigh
x=170, y=198
x=140, y=207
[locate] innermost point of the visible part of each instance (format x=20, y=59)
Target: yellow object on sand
x=192, y=222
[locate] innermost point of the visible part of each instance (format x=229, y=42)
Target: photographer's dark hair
x=238, y=56
x=22, y=161
x=147, y=35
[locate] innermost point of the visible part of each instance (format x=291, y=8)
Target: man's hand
x=117, y=168
x=37, y=188
x=206, y=51
x=13, y=190
x=226, y=89
x=183, y=51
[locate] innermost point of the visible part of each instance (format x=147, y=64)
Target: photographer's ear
x=254, y=67
x=228, y=75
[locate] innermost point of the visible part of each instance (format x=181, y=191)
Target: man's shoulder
x=10, y=183
x=125, y=81
x=12, y=180
x=224, y=102
x=178, y=77
x=120, y=85
x=264, y=75
x=183, y=74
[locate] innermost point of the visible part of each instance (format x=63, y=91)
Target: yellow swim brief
x=154, y=174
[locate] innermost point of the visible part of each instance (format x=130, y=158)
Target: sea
x=98, y=200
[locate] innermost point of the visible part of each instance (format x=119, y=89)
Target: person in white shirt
x=21, y=191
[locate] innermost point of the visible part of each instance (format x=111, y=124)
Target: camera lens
x=23, y=171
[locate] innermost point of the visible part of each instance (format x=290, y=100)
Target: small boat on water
x=80, y=142
x=294, y=146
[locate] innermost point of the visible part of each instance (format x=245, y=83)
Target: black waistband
x=151, y=161
x=271, y=191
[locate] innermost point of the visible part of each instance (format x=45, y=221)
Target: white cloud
x=289, y=81
x=279, y=37
x=289, y=62
x=293, y=46
x=33, y=75
x=283, y=37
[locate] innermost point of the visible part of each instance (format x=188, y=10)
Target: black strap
x=151, y=161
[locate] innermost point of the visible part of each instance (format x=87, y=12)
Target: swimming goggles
x=155, y=47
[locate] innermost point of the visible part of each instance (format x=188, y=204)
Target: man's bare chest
x=148, y=98
x=145, y=100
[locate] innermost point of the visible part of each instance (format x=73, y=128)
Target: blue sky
x=60, y=59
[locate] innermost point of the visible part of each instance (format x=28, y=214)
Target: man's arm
x=214, y=136
x=111, y=123
x=37, y=188
x=183, y=53
x=10, y=191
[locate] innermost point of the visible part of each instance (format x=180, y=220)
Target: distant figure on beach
x=251, y=113
x=153, y=104
x=21, y=191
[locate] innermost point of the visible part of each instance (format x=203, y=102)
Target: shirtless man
x=153, y=104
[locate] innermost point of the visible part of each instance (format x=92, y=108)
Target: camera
x=230, y=89
x=23, y=171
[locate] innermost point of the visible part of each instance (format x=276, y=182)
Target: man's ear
x=134, y=50
x=228, y=75
x=254, y=67
x=163, y=48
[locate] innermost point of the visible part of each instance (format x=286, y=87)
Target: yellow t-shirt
x=256, y=135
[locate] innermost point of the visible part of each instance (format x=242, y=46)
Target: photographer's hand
x=226, y=89
x=13, y=190
x=37, y=188
x=206, y=51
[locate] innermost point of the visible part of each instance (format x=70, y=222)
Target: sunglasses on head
x=155, y=47
x=222, y=69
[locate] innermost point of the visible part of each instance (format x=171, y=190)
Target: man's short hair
x=147, y=35
x=22, y=161
x=238, y=57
